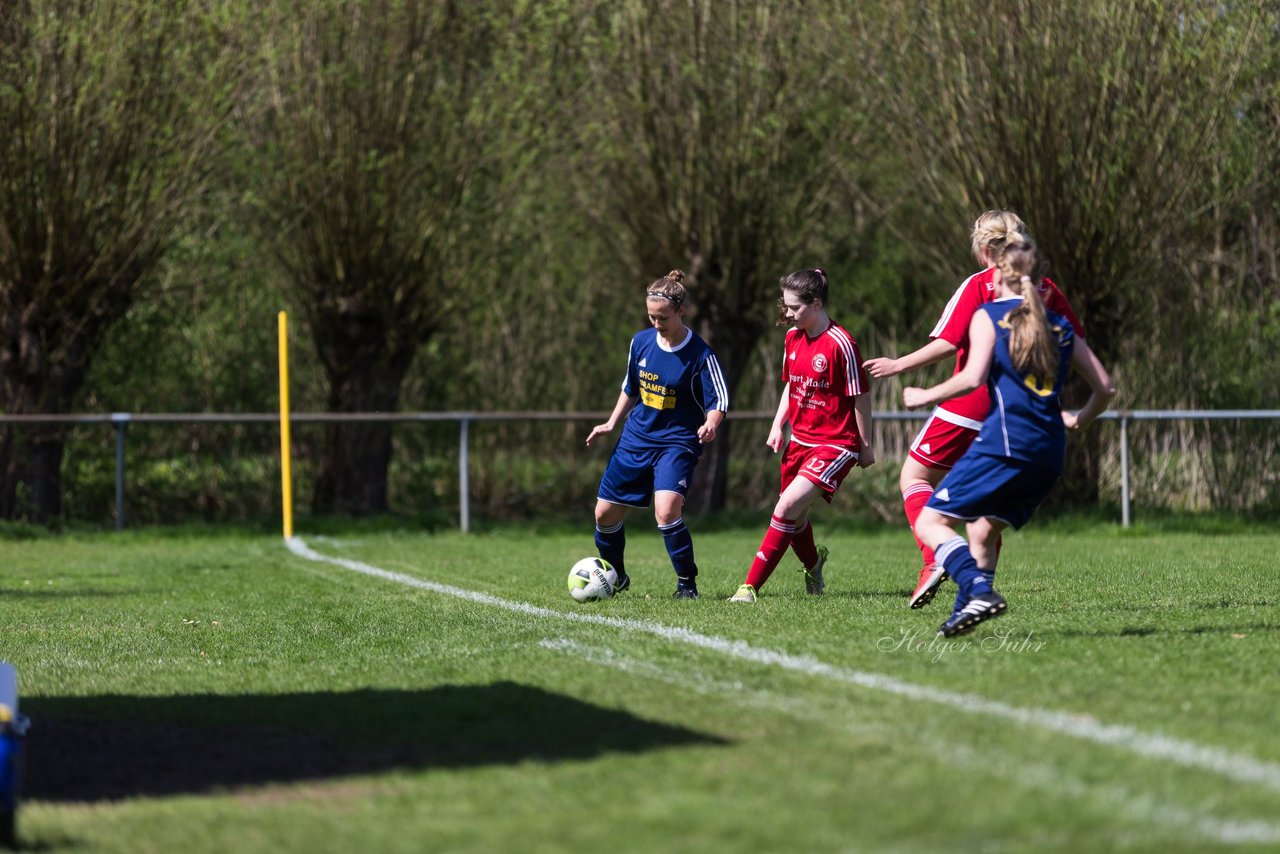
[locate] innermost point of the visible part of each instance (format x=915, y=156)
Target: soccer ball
x=592, y=578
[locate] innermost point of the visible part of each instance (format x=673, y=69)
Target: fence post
x=1124, y=470
x=121, y=421
x=464, y=477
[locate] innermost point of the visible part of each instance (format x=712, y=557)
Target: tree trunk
x=711, y=478
x=353, y=469
x=41, y=380
x=357, y=454
x=31, y=457
x=44, y=474
x=9, y=471
x=733, y=345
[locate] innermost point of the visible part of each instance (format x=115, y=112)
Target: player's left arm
x=1101, y=386
x=716, y=391
x=709, y=429
x=982, y=347
x=859, y=386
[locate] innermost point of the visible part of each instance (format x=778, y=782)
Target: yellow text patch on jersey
x=657, y=400
x=1042, y=386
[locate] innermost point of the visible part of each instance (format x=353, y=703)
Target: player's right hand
x=597, y=430
x=882, y=367
x=913, y=397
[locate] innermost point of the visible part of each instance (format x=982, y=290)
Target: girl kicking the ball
x=674, y=397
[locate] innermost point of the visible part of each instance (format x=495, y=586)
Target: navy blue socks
x=679, y=544
x=611, y=543
x=955, y=557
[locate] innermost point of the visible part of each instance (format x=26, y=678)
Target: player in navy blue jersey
x=674, y=397
x=1023, y=353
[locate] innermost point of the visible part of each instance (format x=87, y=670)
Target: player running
x=825, y=401
x=1021, y=353
x=952, y=426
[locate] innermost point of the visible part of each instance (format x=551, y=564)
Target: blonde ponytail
x=1032, y=345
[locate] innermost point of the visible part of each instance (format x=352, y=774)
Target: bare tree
x=113, y=113
x=720, y=135
x=371, y=170
x=1097, y=121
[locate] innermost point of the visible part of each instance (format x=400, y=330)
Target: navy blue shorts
x=982, y=486
x=631, y=477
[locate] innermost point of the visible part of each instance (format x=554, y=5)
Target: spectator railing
x=122, y=420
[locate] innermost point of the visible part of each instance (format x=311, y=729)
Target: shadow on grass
x=108, y=748
x=62, y=593
x=1151, y=631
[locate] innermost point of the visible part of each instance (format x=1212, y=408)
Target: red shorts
x=825, y=465
x=942, y=443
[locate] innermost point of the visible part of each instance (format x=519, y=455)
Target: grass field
x=376, y=690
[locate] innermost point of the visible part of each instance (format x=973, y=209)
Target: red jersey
x=824, y=375
x=953, y=327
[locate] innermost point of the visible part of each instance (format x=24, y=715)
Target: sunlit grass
x=207, y=690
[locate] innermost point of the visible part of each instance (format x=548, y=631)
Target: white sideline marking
x=1233, y=766
x=1136, y=807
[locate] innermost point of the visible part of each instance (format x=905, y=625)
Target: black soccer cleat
x=978, y=610
x=683, y=592
x=624, y=583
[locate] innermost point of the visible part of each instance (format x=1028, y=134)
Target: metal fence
x=121, y=421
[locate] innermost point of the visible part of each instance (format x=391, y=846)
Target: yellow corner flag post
x=286, y=476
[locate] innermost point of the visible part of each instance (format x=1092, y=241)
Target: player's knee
x=983, y=531
x=608, y=515
x=668, y=508
x=665, y=516
x=913, y=475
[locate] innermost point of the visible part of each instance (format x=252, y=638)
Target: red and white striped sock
x=803, y=545
x=913, y=501
x=772, y=548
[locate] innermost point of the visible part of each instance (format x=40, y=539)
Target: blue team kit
x=1018, y=454
x=674, y=389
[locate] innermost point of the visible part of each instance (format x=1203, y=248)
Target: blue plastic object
x=13, y=728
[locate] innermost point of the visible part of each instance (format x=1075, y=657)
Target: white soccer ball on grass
x=592, y=578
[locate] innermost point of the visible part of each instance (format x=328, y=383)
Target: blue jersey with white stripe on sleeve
x=1025, y=421
x=676, y=387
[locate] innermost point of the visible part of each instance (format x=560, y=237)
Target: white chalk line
x=700, y=683
x=1233, y=766
x=1134, y=806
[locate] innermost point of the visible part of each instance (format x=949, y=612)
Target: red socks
x=913, y=501
x=803, y=545
x=772, y=548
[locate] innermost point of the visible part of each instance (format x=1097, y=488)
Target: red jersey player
x=826, y=402
x=952, y=426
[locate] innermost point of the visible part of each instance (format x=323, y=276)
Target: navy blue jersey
x=676, y=389
x=1025, y=422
